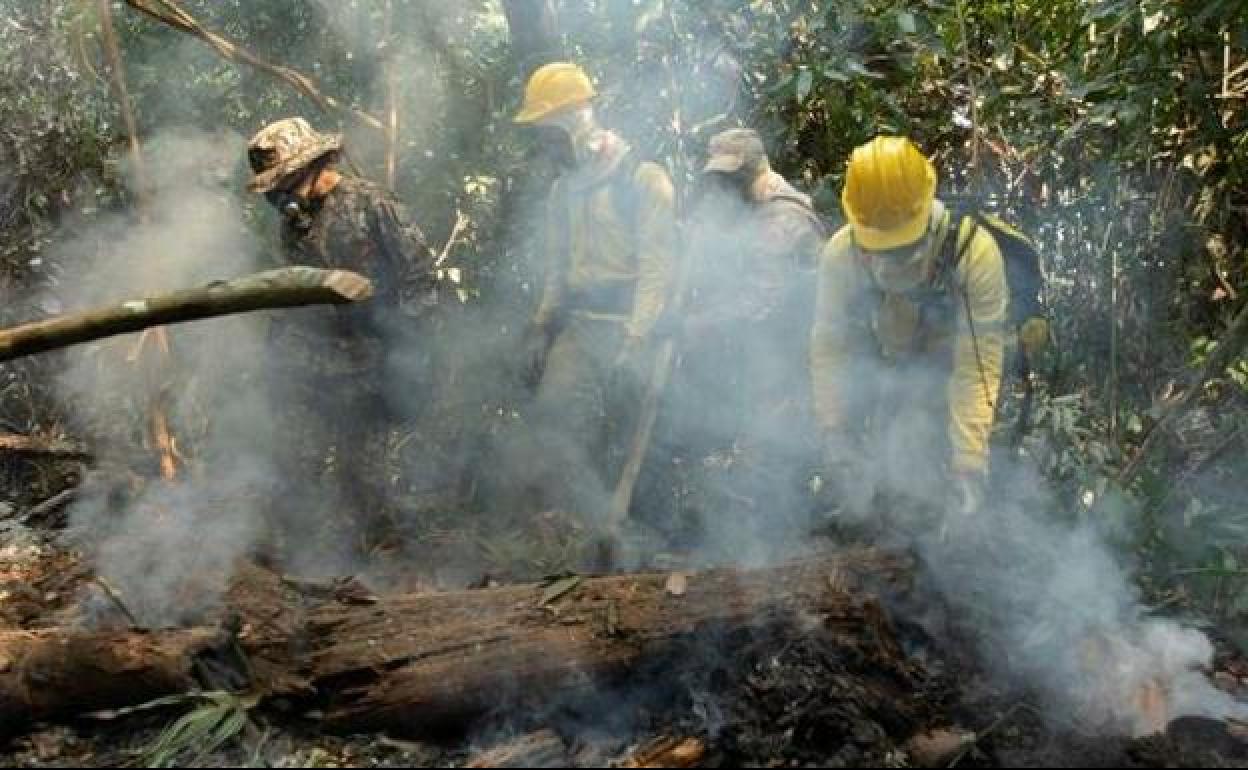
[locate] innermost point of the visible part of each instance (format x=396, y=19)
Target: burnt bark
x=438, y=661
x=62, y=673
x=443, y=659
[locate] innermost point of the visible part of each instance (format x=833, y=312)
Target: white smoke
x=169, y=546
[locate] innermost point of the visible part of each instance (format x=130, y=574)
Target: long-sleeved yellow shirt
x=842, y=351
x=593, y=248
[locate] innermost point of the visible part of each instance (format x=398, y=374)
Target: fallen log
x=285, y=287
x=56, y=673
x=436, y=661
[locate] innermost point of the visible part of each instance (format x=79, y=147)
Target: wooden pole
x=112, y=52
x=390, y=68
x=285, y=287
x=160, y=432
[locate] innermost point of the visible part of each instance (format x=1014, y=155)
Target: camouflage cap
x=284, y=148
x=730, y=151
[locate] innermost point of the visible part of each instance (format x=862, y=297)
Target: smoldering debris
x=1052, y=608
x=169, y=546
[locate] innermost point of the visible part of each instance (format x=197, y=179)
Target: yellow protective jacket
x=601, y=246
x=848, y=288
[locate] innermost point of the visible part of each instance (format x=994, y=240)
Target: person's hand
x=966, y=498
x=847, y=482
x=964, y=502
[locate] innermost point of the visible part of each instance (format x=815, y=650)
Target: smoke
x=1053, y=607
x=169, y=546
x=1044, y=598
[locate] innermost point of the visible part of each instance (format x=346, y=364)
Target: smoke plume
x=169, y=546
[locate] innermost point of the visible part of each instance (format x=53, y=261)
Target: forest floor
x=784, y=697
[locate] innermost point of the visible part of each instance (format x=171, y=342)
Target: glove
x=1033, y=335
x=847, y=483
x=966, y=498
x=966, y=495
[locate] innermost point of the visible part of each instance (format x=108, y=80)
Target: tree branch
x=170, y=13
x=285, y=287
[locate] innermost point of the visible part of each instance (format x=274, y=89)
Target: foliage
x=215, y=720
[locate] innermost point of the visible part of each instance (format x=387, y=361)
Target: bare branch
x=170, y=13
x=285, y=287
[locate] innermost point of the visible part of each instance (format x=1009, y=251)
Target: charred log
x=443, y=659
x=437, y=661
x=61, y=673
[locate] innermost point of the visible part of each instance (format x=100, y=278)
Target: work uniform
x=737, y=416
x=907, y=363
x=332, y=359
x=610, y=239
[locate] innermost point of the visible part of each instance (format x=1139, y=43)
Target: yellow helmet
x=889, y=189
x=554, y=88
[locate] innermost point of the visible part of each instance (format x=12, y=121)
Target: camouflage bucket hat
x=284, y=148
x=730, y=151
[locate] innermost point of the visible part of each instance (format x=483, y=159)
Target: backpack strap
x=803, y=203
x=951, y=251
x=625, y=198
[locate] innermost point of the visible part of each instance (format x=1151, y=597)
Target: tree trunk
x=284, y=287
x=429, y=662
x=440, y=660
x=534, y=34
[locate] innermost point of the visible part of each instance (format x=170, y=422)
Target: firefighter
x=610, y=237
x=909, y=337
x=332, y=359
x=739, y=406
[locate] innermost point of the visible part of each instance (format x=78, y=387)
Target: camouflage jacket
x=358, y=227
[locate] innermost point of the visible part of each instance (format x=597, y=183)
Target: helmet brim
x=273, y=178
x=724, y=164
x=907, y=233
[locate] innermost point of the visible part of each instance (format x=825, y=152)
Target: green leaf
x=906, y=22
x=560, y=588
x=782, y=85
x=858, y=68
